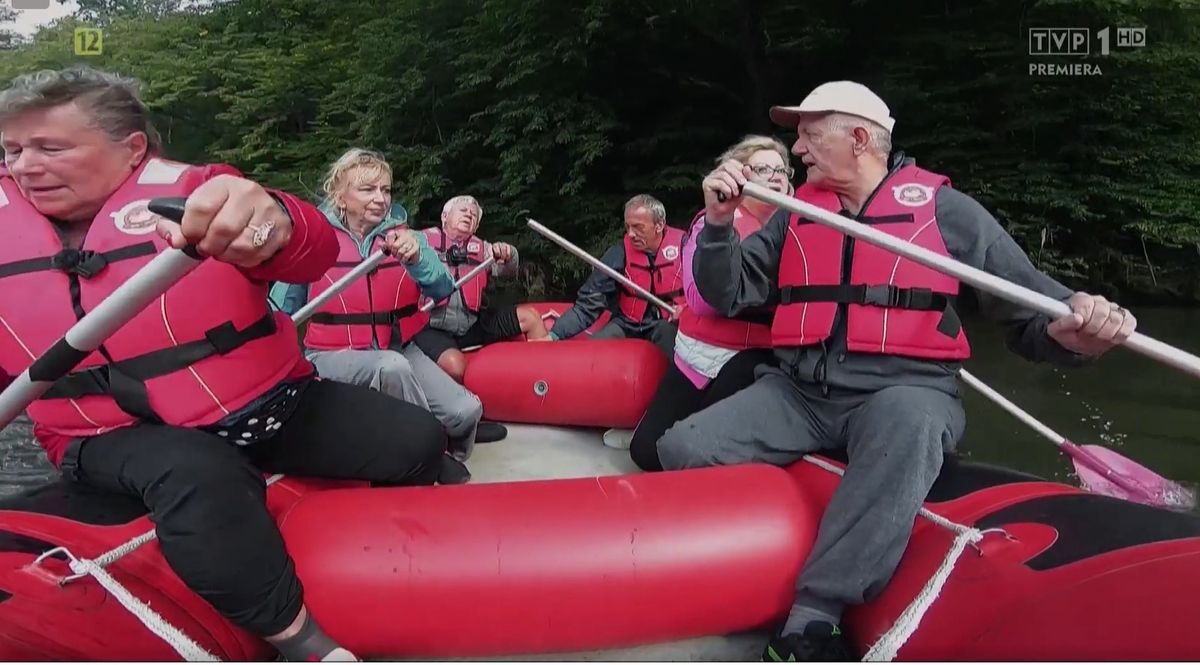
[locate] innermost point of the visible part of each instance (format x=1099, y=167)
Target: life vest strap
x=757, y=315
x=880, y=295
x=85, y=263
x=125, y=379
x=382, y=318
x=668, y=296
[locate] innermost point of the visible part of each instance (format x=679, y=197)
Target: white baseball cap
x=840, y=96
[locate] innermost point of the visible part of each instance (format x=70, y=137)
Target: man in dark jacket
x=649, y=255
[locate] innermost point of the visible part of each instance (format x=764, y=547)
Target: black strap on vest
x=758, y=315
x=85, y=263
x=668, y=296
x=125, y=379
x=383, y=318
x=653, y=269
x=881, y=295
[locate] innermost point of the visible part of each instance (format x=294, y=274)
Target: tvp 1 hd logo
x=1079, y=43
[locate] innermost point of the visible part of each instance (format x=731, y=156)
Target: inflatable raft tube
x=432, y=571
x=42, y=620
x=1073, y=576
x=600, y=383
x=551, y=566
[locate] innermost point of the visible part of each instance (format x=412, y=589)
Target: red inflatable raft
x=434, y=571
x=592, y=383
x=601, y=383
x=511, y=568
x=1060, y=575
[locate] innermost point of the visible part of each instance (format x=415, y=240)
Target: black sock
x=309, y=644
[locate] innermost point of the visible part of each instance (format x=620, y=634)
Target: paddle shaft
x=463, y=280
x=337, y=287
x=1073, y=451
x=1002, y=288
x=124, y=303
x=1008, y=406
x=599, y=265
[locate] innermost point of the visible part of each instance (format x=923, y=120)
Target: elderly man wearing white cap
x=868, y=344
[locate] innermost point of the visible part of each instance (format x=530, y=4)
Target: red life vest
x=894, y=305
x=746, y=331
x=362, y=315
x=459, y=259
x=206, y=348
x=664, y=279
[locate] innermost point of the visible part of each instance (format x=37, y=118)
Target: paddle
x=1100, y=470
x=125, y=302
x=599, y=265
x=997, y=286
x=359, y=270
x=464, y=279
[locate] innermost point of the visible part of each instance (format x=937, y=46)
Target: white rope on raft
x=180, y=642
x=885, y=648
x=889, y=644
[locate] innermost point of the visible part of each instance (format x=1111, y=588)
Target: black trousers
x=207, y=496
x=677, y=399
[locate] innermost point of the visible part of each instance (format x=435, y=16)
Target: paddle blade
x=1106, y=472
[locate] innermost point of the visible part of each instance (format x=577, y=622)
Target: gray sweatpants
x=661, y=334
x=411, y=376
x=895, y=439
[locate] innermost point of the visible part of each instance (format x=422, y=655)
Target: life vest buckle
x=882, y=295
x=86, y=263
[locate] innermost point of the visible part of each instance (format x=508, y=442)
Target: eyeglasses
x=764, y=171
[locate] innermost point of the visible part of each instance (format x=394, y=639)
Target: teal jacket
x=428, y=272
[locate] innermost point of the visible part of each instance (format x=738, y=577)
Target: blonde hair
x=752, y=143
x=370, y=165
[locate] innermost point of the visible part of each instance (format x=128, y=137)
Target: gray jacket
x=734, y=277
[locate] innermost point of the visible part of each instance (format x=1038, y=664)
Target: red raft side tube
x=1074, y=576
x=601, y=383
x=80, y=621
x=551, y=566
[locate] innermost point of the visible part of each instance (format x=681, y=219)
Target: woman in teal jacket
x=359, y=204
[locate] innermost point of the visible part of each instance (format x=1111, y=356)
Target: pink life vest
x=895, y=306
x=459, y=259
x=363, y=315
x=664, y=279
x=206, y=348
x=749, y=331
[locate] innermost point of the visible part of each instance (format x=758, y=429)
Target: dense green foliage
x=562, y=110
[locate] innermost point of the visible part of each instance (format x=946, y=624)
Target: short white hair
x=880, y=141
x=463, y=198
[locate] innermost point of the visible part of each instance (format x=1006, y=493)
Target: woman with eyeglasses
x=715, y=356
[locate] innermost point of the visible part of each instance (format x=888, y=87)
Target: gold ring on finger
x=262, y=233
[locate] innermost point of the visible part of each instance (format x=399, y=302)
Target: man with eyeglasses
x=650, y=256
x=868, y=345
